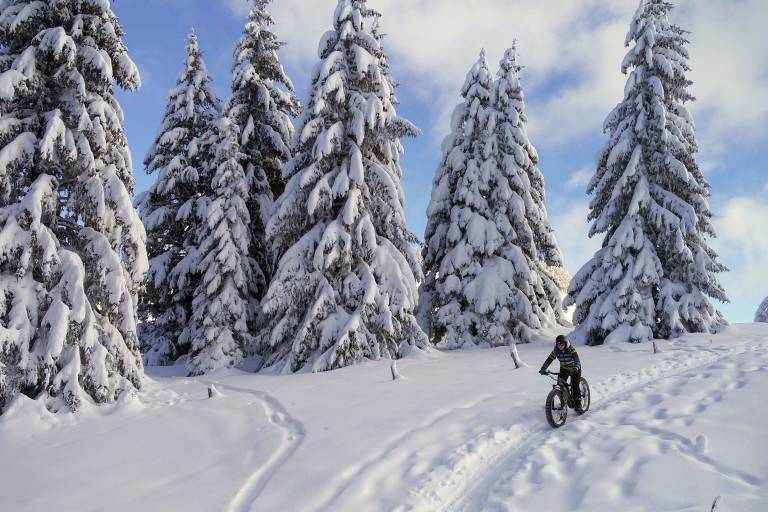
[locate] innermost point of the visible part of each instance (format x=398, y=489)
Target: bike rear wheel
x=586, y=397
x=556, y=409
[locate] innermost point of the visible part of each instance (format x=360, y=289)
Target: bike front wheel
x=556, y=409
x=586, y=397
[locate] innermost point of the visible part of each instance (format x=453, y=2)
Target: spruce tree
x=224, y=301
x=72, y=254
x=460, y=148
x=171, y=208
x=345, y=288
x=762, y=312
x=262, y=104
x=516, y=151
x=654, y=274
x=488, y=276
x=396, y=232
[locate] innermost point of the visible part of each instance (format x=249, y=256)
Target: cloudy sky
x=572, y=50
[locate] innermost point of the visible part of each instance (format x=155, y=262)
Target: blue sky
x=572, y=50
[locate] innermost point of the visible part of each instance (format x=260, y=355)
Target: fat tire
x=548, y=409
x=584, y=387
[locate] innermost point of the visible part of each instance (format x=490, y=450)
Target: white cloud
x=580, y=179
x=580, y=108
x=729, y=52
x=573, y=46
x=239, y=8
x=743, y=245
x=572, y=231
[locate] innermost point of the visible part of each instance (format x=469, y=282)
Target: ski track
x=406, y=439
x=462, y=491
x=292, y=437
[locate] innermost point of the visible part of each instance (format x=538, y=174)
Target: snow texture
x=224, y=301
x=488, y=243
x=262, y=105
x=762, y=312
x=345, y=289
x=72, y=249
x=655, y=270
x=280, y=444
x=173, y=209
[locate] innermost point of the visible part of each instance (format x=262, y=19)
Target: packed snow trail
x=292, y=437
x=403, y=449
x=469, y=467
x=658, y=423
x=448, y=455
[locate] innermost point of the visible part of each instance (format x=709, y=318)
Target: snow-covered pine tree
x=224, y=302
x=170, y=210
x=72, y=253
x=262, y=104
x=460, y=147
x=762, y=312
x=491, y=282
x=508, y=101
x=515, y=153
x=345, y=287
x=655, y=270
x=396, y=232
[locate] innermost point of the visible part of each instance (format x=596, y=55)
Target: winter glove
x=543, y=371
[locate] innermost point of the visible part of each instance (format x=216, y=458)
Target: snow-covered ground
x=460, y=431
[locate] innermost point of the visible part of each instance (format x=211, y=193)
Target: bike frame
x=562, y=385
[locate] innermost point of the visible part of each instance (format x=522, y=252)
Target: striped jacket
x=569, y=358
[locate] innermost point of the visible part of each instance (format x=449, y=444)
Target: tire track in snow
x=358, y=472
x=292, y=437
x=461, y=498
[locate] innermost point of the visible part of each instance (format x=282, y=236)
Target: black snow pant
x=575, y=376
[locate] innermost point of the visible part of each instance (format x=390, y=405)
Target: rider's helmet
x=561, y=342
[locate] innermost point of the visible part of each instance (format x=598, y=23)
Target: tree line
x=287, y=244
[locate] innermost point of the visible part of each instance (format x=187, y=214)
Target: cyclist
x=570, y=366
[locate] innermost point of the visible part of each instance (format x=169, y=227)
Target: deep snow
x=459, y=431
